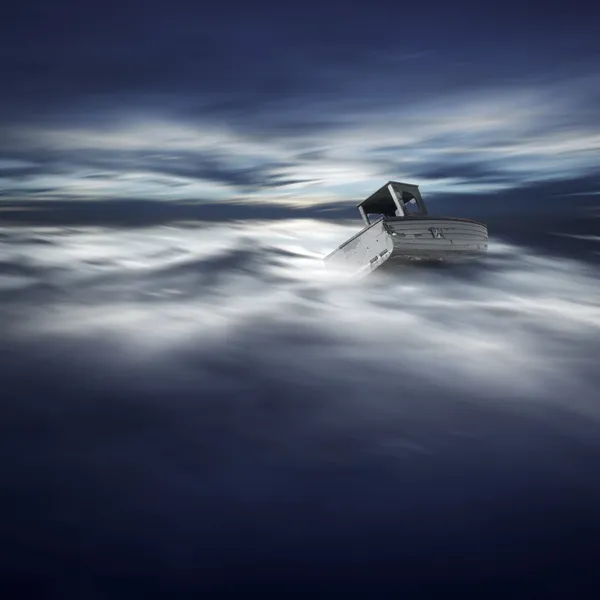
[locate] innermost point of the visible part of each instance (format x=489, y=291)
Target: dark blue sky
x=303, y=104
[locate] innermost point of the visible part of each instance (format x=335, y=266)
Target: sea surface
x=198, y=408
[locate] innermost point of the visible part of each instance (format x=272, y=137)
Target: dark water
x=199, y=409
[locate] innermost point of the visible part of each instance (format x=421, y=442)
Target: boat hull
x=436, y=238
x=409, y=239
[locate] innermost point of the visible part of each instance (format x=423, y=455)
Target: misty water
x=201, y=404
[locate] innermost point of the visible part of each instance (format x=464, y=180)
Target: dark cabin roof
x=382, y=199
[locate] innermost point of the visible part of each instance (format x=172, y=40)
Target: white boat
x=398, y=228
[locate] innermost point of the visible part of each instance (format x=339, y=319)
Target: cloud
x=514, y=137
x=277, y=108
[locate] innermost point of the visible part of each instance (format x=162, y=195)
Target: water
x=200, y=408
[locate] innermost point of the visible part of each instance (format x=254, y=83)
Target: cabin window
x=385, y=208
x=411, y=206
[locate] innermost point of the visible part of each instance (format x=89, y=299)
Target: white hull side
x=363, y=252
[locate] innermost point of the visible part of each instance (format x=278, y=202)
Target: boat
x=397, y=229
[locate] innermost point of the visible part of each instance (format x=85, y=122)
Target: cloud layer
x=475, y=142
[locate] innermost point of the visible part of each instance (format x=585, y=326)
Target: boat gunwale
x=433, y=217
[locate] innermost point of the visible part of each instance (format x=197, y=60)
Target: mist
x=202, y=407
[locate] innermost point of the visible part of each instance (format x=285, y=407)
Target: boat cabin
x=393, y=200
